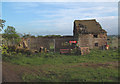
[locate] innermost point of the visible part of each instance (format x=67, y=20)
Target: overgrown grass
x=78, y=74
x=95, y=56
x=58, y=68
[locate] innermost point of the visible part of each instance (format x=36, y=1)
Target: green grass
x=57, y=68
x=79, y=74
x=57, y=59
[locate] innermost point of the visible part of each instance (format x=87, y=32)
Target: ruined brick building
x=88, y=33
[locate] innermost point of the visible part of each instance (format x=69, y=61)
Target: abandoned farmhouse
x=87, y=33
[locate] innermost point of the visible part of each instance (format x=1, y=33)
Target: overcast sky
x=46, y=18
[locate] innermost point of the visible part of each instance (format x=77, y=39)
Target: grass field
x=98, y=66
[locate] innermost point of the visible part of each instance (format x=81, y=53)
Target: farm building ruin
x=87, y=33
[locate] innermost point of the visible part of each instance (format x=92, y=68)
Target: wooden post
x=54, y=45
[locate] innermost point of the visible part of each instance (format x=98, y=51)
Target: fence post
x=54, y=45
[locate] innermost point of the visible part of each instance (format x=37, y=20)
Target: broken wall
x=36, y=43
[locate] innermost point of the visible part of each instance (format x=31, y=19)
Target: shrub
x=11, y=48
x=20, y=50
x=4, y=50
x=28, y=52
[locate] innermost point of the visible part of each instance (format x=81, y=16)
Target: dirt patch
x=13, y=73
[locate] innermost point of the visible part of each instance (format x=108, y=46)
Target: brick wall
x=88, y=40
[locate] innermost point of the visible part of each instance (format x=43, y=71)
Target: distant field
x=98, y=66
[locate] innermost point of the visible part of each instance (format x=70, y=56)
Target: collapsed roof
x=88, y=26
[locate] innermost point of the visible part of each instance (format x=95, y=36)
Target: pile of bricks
x=84, y=50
